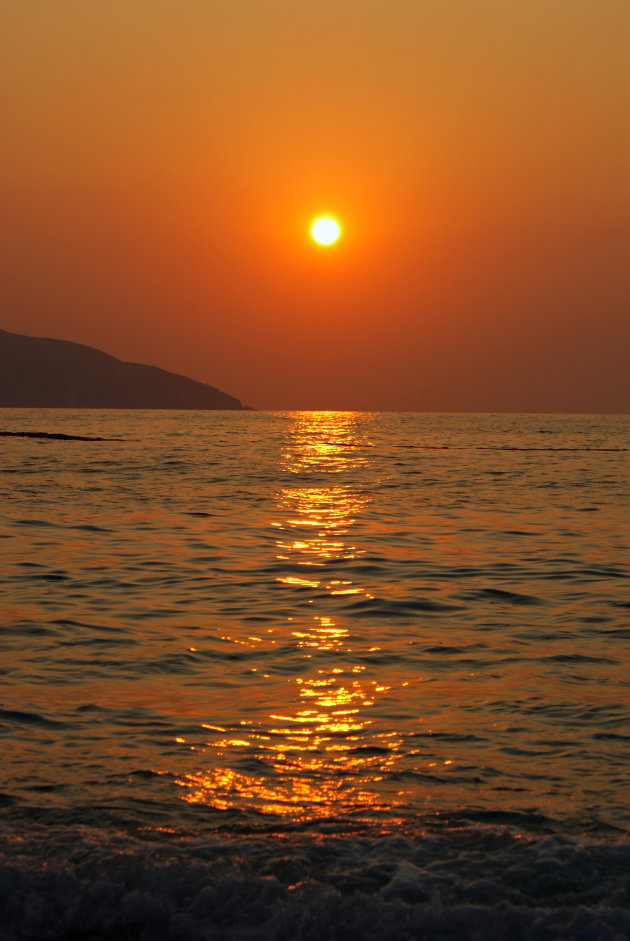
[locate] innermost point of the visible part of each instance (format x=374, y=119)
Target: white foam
x=476, y=883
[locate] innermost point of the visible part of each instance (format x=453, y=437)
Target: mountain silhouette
x=37, y=372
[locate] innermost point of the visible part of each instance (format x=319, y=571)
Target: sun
x=325, y=231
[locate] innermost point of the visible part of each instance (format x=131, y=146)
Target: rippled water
x=271, y=623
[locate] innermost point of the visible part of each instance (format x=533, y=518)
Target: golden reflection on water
x=316, y=750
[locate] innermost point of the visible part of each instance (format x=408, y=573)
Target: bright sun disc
x=325, y=231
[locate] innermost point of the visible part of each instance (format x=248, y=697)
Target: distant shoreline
x=50, y=434
x=41, y=372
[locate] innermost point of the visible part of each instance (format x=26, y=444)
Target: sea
x=314, y=676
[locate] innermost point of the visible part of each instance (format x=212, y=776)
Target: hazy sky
x=163, y=161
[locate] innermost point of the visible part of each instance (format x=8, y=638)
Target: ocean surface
x=314, y=675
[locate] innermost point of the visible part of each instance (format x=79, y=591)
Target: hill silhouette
x=37, y=372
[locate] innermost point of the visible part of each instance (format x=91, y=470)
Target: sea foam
x=472, y=883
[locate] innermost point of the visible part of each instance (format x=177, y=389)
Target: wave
x=501, y=447
x=479, y=882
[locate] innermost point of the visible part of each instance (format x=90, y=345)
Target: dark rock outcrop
x=43, y=373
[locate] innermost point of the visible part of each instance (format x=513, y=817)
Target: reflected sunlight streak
x=315, y=756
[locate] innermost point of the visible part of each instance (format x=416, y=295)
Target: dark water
x=321, y=664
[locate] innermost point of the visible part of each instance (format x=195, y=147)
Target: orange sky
x=166, y=157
